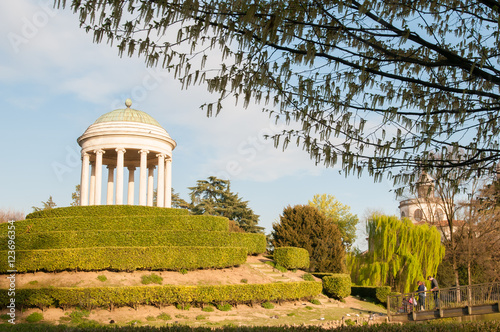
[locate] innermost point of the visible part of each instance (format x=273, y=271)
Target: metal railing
x=445, y=298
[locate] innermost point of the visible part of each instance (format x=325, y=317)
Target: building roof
x=128, y=115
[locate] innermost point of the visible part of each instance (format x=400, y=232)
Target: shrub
x=150, y=318
x=125, y=258
x=374, y=292
x=244, y=281
x=382, y=292
x=34, y=317
x=276, y=266
x=308, y=277
x=200, y=317
x=350, y=322
x=183, y=306
x=316, y=302
x=224, y=307
x=337, y=285
x=291, y=257
x=308, y=307
x=151, y=279
x=164, y=316
x=78, y=316
x=208, y=308
x=267, y=305
x=183, y=271
x=102, y=278
x=134, y=322
x=33, y=282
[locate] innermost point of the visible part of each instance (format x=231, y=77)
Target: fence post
x=389, y=307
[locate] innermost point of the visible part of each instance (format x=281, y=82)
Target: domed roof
x=129, y=115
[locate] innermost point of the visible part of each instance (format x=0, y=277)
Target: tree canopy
x=380, y=86
x=339, y=214
x=303, y=226
x=399, y=254
x=214, y=197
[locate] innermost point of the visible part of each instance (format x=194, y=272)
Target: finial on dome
x=128, y=102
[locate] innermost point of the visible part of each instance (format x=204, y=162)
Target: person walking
x=421, y=295
x=435, y=290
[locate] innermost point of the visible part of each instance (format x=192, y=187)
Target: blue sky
x=55, y=82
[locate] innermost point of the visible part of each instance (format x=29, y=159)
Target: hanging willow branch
x=399, y=254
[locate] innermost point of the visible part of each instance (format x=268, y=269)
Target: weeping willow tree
x=399, y=254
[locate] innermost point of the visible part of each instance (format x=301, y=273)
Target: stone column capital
x=143, y=151
x=161, y=155
x=131, y=168
x=99, y=151
x=120, y=150
x=110, y=166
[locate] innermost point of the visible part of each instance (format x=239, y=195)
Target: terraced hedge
x=253, y=243
x=125, y=259
x=78, y=223
x=109, y=210
x=161, y=295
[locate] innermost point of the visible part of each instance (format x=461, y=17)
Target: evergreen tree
x=49, y=204
x=399, y=254
x=177, y=201
x=303, y=226
x=214, y=197
x=339, y=214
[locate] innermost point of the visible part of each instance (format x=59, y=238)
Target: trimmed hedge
x=337, y=285
x=291, y=257
x=321, y=275
x=161, y=295
x=382, y=292
x=252, y=242
x=78, y=223
x=125, y=259
x=107, y=210
x=375, y=292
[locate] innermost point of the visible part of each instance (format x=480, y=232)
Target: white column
x=160, y=189
x=168, y=182
x=143, y=177
x=130, y=200
x=98, y=176
x=84, y=181
x=151, y=185
x=111, y=182
x=92, y=184
x=119, y=176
